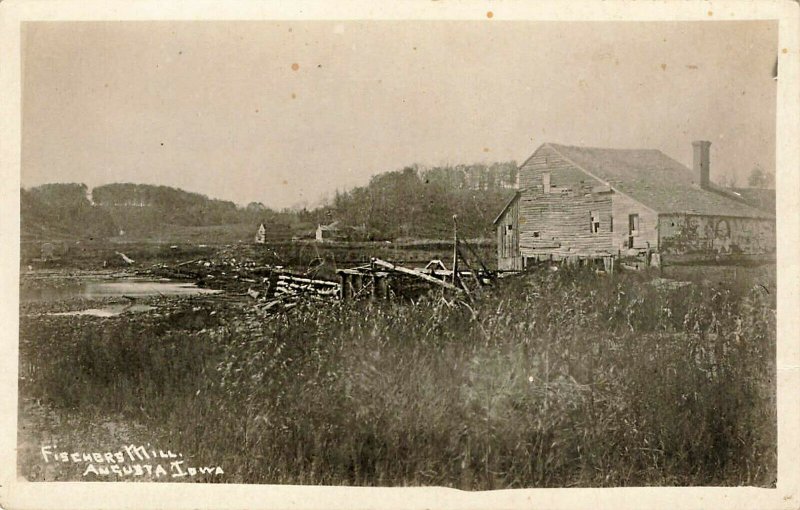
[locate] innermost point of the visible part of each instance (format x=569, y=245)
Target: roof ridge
x=594, y=147
x=639, y=173
x=607, y=182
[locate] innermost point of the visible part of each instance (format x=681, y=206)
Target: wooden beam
x=414, y=272
x=455, y=248
x=345, y=286
x=300, y=279
x=472, y=272
x=477, y=256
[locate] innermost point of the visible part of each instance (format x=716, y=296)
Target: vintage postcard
x=427, y=255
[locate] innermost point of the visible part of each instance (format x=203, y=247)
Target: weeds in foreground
x=555, y=380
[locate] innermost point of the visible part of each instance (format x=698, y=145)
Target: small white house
x=272, y=232
x=261, y=234
x=328, y=232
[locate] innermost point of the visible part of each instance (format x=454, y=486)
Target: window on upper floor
x=594, y=222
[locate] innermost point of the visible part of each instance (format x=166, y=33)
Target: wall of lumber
x=562, y=173
x=647, y=234
x=560, y=221
x=508, y=255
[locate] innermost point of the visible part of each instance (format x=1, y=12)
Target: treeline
x=416, y=202
x=62, y=211
x=412, y=202
x=172, y=205
x=69, y=210
x=143, y=209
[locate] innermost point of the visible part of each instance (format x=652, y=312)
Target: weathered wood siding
x=647, y=235
x=559, y=222
x=683, y=234
x=508, y=255
x=562, y=173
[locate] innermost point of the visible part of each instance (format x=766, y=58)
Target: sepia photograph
x=476, y=254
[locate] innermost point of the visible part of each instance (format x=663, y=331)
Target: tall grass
x=554, y=380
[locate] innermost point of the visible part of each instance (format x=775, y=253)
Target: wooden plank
x=414, y=272
x=307, y=280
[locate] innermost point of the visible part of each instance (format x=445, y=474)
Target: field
x=553, y=379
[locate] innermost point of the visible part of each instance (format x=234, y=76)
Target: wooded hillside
x=412, y=202
x=420, y=203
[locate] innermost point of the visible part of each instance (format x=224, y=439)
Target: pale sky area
x=220, y=108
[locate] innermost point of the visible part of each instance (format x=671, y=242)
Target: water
x=59, y=290
x=109, y=311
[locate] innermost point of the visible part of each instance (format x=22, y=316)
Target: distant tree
x=760, y=179
x=256, y=207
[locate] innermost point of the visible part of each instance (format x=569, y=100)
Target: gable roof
x=657, y=181
x=508, y=204
x=330, y=226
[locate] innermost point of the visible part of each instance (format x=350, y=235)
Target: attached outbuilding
x=589, y=203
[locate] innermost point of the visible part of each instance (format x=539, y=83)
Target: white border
x=19, y=494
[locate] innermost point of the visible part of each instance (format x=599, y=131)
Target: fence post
x=345, y=290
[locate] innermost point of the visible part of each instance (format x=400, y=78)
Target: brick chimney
x=702, y=162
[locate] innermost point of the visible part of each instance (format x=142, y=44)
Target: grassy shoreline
x=552, y=380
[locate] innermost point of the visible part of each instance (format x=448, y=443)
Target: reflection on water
x=109, y=311
x=55, y=290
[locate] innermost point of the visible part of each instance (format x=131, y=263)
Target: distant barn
x=329, y=232
x=273, y=232
x=582, y=202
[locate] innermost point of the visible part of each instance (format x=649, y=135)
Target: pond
x=109, y=311
x=58, y=289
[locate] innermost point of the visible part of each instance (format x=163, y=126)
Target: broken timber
x=414, y=272
x=376, y=280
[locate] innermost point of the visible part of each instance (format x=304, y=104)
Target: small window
x=535, y=233
x=633, y=224
x=611, y=223
x=510, y=228
x=594, y=222
x=546, y=182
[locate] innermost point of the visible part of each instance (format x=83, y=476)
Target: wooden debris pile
x=384, y=280
x=288, y=290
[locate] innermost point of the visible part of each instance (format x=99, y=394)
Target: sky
x=286, y=113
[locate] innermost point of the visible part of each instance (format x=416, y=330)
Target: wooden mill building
x=589, y=203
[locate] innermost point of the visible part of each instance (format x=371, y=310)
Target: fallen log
x=127, y=259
